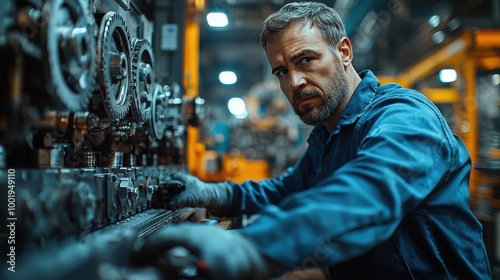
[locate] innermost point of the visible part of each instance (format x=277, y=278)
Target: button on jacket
x=385, y=195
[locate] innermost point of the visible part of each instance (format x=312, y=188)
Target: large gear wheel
x=114, y=64
x=142, y=79
x=159, y=107
x=66, y=27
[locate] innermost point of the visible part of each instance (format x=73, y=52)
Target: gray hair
x=326, y=18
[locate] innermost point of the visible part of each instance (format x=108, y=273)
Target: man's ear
x=345, y=49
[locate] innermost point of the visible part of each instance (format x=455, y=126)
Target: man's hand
x=216, y=197
x=200, y=252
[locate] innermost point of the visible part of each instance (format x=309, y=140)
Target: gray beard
x=313, y=115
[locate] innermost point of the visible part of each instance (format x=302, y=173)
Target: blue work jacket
x=385, y=195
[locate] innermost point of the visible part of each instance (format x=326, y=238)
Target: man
x=380, y=193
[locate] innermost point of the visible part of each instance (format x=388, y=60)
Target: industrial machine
x=93, y=122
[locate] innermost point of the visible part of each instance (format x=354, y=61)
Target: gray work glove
x=195, y=251
x=215, y=197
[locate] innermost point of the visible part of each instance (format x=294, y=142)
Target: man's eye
x=306, y=60
x=281, y=73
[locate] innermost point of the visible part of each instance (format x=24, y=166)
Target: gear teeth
x=141, y=52
x=73, y=94
x=114, y=35
x=157, y=124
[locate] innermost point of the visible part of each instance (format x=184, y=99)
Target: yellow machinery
x=191, y=76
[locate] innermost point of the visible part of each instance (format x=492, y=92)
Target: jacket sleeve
x=404, y=152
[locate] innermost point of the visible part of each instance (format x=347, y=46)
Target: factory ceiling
x=387, y=36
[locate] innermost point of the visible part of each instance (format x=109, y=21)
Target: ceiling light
x=438, y=37
x=454, y=24
x=217, y=19
x=447, y=75
x=434, y=21
x=495, y=78
x=227, y=77
x=242, y=116
x=236, y=106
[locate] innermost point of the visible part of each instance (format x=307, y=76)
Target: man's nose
x=297, y=80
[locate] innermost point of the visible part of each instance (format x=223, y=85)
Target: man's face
x=309, y=71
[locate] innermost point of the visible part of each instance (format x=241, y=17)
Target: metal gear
x=159, y=108
x=66, y=29
x=114, y=64
x=143, y=79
